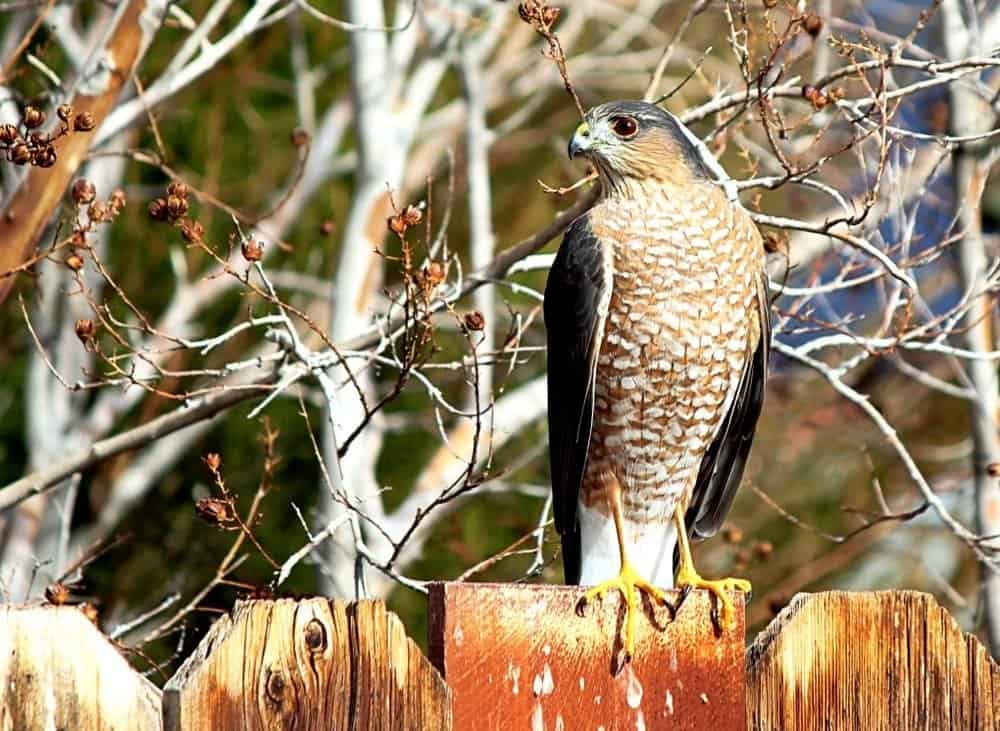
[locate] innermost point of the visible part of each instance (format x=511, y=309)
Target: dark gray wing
x=576, y=302
x=722, y=466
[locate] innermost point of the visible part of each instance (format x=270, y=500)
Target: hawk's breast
x=681, y=323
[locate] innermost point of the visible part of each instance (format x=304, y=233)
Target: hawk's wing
x=576, y=303
x=722, y=466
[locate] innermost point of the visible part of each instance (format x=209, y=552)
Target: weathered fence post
x=879, y=661
x=518, y=656
x=57, y=671
x=313, y=664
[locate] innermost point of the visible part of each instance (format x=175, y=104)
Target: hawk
x=658, y=334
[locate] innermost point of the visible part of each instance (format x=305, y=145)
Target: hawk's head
x=636, y=140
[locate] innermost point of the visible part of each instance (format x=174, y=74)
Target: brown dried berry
x=158, y=209
x=178, y=189
x=45, y=157
x=64, y=112
x=117, y=200
x=192, y=231
x=253, y=250
x=775, y=242
x=213, y=511
x=83, y=191
x=8, y=134
x=85, y=330
x=816, y=97
x=84, y=122
x=299, y=137
x=327, y=227
x=434, y=273
x=763, y=549
x=74, y=262
x=98, y=211
x=57, y=593
x=731, y=533
x=38, y=139
x=213, y=460
x=20, y=154
x=475, y=321
x=176, y=207
x=397, y=225
x=412, y=216
x=33, y=117
x=813, y=24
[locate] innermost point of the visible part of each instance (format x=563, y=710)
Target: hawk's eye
x=624, y=127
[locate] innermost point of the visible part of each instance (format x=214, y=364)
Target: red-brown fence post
x=518, y=656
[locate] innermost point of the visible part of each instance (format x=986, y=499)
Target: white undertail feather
x=650, y=552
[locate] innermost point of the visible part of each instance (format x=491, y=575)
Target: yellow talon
x=628, y=583
x=689, y=578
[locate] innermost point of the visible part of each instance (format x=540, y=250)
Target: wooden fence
x=513, y=657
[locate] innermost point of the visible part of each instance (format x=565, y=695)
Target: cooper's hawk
x=658, y=336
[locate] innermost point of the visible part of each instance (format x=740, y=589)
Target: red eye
x=624, y=127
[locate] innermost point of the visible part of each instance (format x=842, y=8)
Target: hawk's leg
x=688, y=578
x=628, y=582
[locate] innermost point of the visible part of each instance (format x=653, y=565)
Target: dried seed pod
x=252, y=250
x=549, y=15
x=412, y=215
x=812, y=24
x=815, y=97
x=84, y=122
x=98, y=211
x=8, y=134
x=763, y=549
x=213, y=460
x=732, y=533
x=45, y=157
x=178, y=189
x=117, y=200
x=38, y=139
x=158, y=209
x=434, y=273
x=528, y=11
x=775, y=242
x=475, y=321
x=85, y=330
x=74, y=262
x=64, y=112
x=176, y=207
x=214, y=511
x=397, y=225
x=33, y=117
x=20, y=154
x=57, y=593
x=192, y=231
x=83, y=191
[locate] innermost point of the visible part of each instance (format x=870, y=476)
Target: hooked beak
x=579, y=144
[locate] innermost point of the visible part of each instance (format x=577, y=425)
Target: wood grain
x=518, y=656
x=304, y=666
x=57, y=671
x=873, y=661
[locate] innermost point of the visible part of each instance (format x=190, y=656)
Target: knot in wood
x=275, y=686
x=315, y=635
